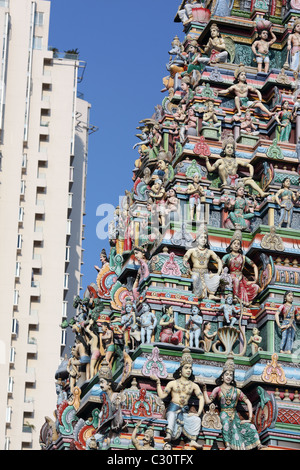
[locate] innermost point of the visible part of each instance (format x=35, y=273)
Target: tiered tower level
x=197, y=306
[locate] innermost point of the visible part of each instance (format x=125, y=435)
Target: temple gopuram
x=188, y=338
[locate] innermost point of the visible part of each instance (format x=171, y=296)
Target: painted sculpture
x=290, y=314
x=204, y=254
x=237, y=434
x=181, y=389
x=243, y=289
x=205, y=284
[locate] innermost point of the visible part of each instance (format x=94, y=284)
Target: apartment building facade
x=44, y=130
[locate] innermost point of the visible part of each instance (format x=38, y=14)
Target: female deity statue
x=227, y=167
x=290, y=314
x=239, y=211
x=286, y=199
x=243, y=289
x=168, y=325
x=237, y=434
x=284, y=119
x=181, y=389
x=207, y=337
x=204, y=283
x=255, y=341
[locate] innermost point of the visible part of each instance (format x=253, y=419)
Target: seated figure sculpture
x=241, y=91
x=216, y=47
x=227, y=165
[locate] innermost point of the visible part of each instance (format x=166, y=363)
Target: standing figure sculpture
x=237, y=434
x=284, y=119
x=147, y=322
x=286, y=199
x=205, y=284
x=194, y=325
x=293, y=48
x=181, y=389
x=196, y=193
x=290, y=314
x=243, y=290
x=261, y=48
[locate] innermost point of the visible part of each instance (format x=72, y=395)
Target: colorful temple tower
x=191, y=328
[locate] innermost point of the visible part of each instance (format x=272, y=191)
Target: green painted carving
x=274, y=151
x=193, y=170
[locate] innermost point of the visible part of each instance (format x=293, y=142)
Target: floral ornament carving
x=273, y=372
x=154, y=366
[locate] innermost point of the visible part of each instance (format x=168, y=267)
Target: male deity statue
x=241, y=91
x=216, y=47
x=293, y=47
x=148, y=322
x=205, y=284
x=227, y=165
x=261, y=48
x=181, y=389
x=194, y=325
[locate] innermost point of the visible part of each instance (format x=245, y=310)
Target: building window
x=21, y=214
x=63, y=337
x=7, y=443
x=67, y=254
x=18, y=269
x=70, y=201
x=38, y=43
x=16, y=297
x=66, y=281
x=15, y=327
x=19, y=242
x=65, y=309
x=12, y=355
x=8, y=415
x=22, y=190
x=10, y=385
x=39, y=18
x=69, y=223
x=4, y=3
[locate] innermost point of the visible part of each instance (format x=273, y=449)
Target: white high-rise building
x=44, y=129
